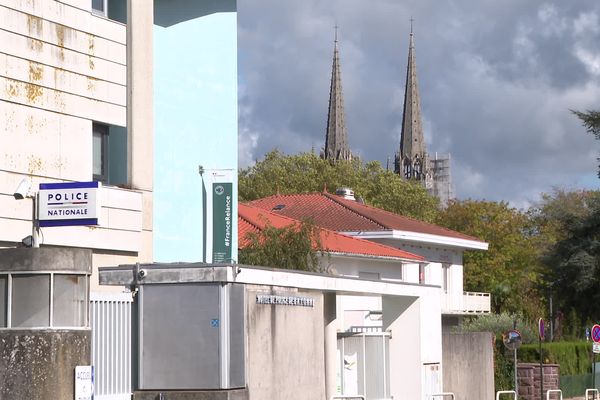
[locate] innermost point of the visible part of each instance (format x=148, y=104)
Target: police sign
x=68, y=204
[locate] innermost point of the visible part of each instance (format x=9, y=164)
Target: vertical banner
x=218, y=216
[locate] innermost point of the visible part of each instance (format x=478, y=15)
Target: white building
x=80, y=81
x=441, y=248
x=375, y=357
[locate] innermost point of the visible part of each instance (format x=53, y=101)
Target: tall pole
x=516, y=381
x=594, y=373
x=541, y=371
x=35, y=225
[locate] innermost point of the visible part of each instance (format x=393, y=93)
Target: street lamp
x=23, y=191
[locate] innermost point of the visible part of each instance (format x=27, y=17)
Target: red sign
x=596, y=333
x=542, y=328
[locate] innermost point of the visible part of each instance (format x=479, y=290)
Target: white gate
x=364, y=364
x=110, y=320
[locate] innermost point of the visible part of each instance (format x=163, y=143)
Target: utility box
x=190, y=336
x=189, y=328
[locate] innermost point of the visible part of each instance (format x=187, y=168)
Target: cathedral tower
x=411, y=161
x=336, y=139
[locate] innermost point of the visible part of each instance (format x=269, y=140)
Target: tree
x=591, y=121
x=306, y=172
x=291, y=247
x=572, y=256
x=509, y=270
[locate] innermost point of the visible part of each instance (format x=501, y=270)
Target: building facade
x=134, y=94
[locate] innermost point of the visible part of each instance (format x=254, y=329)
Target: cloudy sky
x=497, y=80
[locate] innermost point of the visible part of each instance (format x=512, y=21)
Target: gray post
x=516, y=379
x=541, y=371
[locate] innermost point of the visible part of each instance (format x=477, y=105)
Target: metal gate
x=110, y=320
x=364, y=364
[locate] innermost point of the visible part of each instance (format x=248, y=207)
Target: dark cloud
x=497, y=80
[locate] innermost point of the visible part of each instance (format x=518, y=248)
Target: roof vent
x=278, y=207
x=346, y=193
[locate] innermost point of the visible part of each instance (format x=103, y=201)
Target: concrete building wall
x=62, y=68
x=372, y=268
x=285, y=347
x=438, y=258
x=468, y=360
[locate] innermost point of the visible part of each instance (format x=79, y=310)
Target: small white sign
x=70, y=203
x=84, y=382
x=596, y=347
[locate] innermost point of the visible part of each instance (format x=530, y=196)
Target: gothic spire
x=411, y=161
x=336, y=139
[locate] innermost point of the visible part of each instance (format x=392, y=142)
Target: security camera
x=22, y=190
x=142, y=273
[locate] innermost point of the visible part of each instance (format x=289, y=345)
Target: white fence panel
x=110, y=320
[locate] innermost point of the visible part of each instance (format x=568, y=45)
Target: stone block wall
x=529, y=380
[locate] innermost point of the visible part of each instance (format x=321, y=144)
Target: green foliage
x=572, y=254
x=509, y=270
x=575, y=358
x=306, y=172
x=503, y=358
x=289, y=248
x=591, y=121
x=501, y=323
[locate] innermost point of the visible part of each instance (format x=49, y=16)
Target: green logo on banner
x=222, y=223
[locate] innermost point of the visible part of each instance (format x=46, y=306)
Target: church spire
x=336, y=139
x=411, y=161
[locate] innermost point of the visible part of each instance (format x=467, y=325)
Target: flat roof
x=169, y=273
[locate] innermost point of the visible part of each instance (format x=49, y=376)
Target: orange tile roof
x=254, y=219
x=338, y=214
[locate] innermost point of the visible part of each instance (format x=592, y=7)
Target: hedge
x=575, y=358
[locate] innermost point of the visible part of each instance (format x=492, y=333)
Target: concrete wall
x=285, y=348
x=468, y=365
x=391, y=270
x=40, y=364
x=438, y=257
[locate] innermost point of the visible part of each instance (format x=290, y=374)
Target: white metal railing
x=110, y=320
x=468, y=303
x=589, y=391
x=443, y=395
x=553, y=391
x=506, y=392
x=355, y=397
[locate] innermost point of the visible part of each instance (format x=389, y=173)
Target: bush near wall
x=574, y=358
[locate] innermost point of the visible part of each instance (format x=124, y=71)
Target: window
x=3, y=299
x=109, y=154
x=70, y=300
x=445, y=276
x=30, y=301
x=374, y=276
x=111, y=9
x=100, y=150
x=99, y=7
x=43, y=300
x=421, y=274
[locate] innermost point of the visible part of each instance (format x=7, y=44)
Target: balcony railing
x=468, y=303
